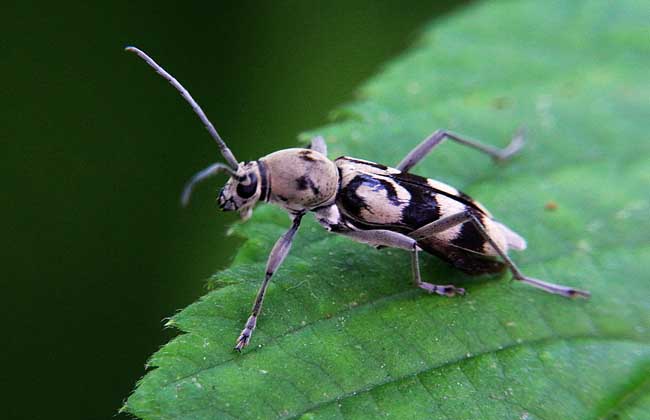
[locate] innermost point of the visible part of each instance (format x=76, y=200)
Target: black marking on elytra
x=350, y=200
x=306, y=155
x=353, y=202
x=304, y=182
x=469, y=237
x=465, y=197
x=461, y=197
x=379, y=184
x=248, y=189
x=422, y=208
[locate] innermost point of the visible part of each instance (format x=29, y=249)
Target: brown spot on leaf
x=550, y=206
x=501, y=102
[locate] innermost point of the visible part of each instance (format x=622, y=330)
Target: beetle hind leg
x=448, y=222
x=556, y=289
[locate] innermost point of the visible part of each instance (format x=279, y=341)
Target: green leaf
x=344, y=333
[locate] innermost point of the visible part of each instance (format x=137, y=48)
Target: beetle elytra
x=370, y=203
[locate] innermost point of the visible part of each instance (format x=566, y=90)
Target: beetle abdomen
x=470, y=262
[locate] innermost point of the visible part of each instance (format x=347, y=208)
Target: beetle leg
x=444, y=290
x=318, y=144
x=392, y=239
x=518, y=275
x=424, y=148
x=277, y=255
x=439, y=225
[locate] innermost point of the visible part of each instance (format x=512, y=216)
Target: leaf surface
x=345, y=335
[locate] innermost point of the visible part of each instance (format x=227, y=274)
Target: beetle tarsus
x=556, y=289
x=516, y=144
x=245, y=335
x=242, y=342
x=443, y=290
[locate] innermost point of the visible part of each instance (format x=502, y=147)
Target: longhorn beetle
x=369, y=203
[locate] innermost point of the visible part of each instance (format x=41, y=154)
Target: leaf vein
x=541, y=341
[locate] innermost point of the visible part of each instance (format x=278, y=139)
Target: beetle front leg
x=392, y=239
x=277, y=255
x=427, y=145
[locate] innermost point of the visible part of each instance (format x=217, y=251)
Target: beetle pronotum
x=370, y=203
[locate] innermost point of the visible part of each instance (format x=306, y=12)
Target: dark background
x=95, y=148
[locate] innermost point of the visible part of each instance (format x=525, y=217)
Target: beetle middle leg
x=424, y=148
x=277, y=255
x=380, y=237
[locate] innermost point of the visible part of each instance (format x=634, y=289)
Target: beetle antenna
x=225, y=151
x=211, y=170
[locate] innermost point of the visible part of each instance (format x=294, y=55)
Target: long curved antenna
x=225, y=151
x=211, y=170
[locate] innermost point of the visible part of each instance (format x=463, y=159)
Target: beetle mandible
x=369, y=203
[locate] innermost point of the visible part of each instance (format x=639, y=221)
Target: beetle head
x=242, y=191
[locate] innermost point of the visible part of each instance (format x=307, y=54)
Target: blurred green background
x=95, y=148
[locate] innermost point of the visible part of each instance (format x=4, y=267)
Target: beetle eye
x=247, y=188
